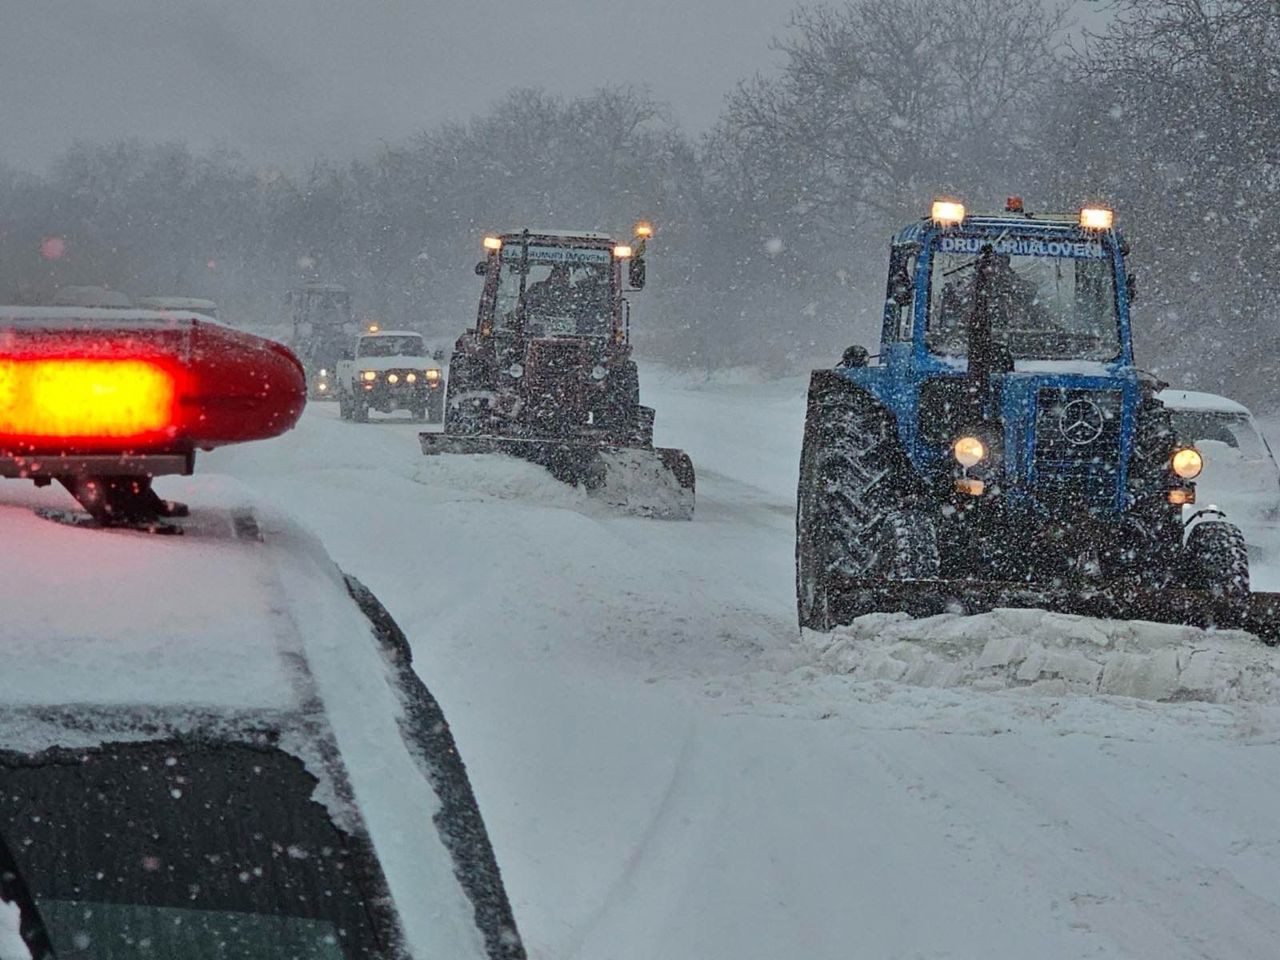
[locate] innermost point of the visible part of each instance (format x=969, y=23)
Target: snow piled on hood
x=1053, y=654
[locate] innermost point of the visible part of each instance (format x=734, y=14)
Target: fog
x=286, y=80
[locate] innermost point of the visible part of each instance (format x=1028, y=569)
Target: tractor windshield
x=1048, y=306
x=568, y=291
x=391, y=346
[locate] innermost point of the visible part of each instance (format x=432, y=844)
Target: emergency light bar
x=947, y=213
x=89, y=397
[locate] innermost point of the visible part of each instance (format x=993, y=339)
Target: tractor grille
x=1077, y=446
x=554, y=371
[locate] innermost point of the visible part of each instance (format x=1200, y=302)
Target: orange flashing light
x=1182, y=497
x=1096, y=218
x=60, y=399
x=644, y=229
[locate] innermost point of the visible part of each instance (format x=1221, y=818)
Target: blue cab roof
x=992, y=225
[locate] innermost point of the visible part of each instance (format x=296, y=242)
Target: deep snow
x=669, y=770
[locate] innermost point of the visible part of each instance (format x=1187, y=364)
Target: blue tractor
x=1003, y=449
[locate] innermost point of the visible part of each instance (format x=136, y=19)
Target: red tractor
x=547, y=373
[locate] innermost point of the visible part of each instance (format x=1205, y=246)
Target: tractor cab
x=323, y=325
x=556, y=284
x=1011, y=332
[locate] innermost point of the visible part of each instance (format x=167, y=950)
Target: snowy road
x=667, y=773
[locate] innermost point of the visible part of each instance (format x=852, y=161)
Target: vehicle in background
x=206, y=308
x=322, y=328
x=547, y=372
x=390, y=370
x=1005, y=450
x=90, y=297
x=1240, y=472
x=212, y=744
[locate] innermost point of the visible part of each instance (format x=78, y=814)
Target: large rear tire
x=859, y=513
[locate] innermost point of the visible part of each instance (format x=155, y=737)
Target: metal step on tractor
x=1003, y=450
x=547, y=375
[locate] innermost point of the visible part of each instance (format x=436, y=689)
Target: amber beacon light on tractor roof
x=103, y=401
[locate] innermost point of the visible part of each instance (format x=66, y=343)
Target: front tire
x=1219, y=560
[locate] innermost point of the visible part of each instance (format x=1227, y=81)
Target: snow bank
x=1054, y=654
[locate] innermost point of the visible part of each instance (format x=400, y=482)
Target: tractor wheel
x=435, y=407
x=1219, y=560
x=1152, y=549
x=857, y=512
x=466, y=409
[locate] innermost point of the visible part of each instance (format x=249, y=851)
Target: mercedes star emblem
x=1081, y=422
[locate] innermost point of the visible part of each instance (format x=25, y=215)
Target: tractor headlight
x=431, y=374
x=411, y=378
x=369, y=376
x=1187, y=463
x=393, y=378
x=969, y=451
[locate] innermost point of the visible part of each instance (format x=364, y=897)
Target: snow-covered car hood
x=242, y=620
x=396, y=363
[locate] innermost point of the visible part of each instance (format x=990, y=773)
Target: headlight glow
x=411, y=378
x=969, y=451
x=1187, y=463
x=432, y=374
x=393, y=378
x=369, y=376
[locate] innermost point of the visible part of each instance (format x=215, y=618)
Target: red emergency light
x=94, y=395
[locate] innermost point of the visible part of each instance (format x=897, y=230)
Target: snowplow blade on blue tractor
x=852, y=598
x=647, y=481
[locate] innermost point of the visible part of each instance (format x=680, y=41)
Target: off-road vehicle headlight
x=369, y=376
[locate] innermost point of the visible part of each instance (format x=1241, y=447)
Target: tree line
x=772, y=227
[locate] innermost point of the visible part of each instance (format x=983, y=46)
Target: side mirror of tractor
x=1131, y=283
x=481, y=268
x=636, y=273
x=855, y=356
x=437, y=356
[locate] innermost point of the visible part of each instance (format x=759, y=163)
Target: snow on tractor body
x=547, y=373
x=1005, y=450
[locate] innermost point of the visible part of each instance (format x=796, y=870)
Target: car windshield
x=391, y=346
x=568, y=290
x=188, y=850
x=1233, y=429
x=1047, y=307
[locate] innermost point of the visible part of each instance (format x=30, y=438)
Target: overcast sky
x=284, y=80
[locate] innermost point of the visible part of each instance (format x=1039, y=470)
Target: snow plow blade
x=921, y=598
x=648, y=481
